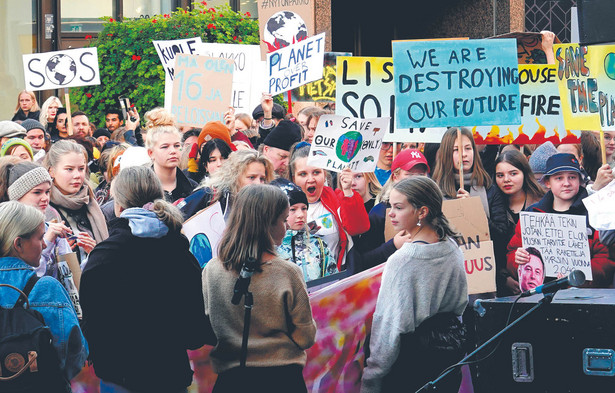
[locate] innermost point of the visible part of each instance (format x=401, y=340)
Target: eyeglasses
x=388, y=145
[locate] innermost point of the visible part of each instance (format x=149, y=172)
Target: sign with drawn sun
x=347, y=142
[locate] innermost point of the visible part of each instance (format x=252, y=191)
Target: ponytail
x=170, y=215
x=443, y=229
x=5, y=170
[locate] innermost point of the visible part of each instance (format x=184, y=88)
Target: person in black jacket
x=27, y=107
x=141, y=293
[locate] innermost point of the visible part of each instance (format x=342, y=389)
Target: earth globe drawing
x=284, y=28
x=61, y=69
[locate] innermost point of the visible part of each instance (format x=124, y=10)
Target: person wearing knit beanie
x=538, y=159
x=276, y=146
x=214, y=130
x=35, y=135
x=17, y=147
x=23, y=177
x=10, y=129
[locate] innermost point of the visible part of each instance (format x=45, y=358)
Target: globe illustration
x=284, y=28
x=61, y=69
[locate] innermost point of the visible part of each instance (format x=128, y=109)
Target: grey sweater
x=419, y=281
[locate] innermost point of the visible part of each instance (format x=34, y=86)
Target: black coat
x=142, y=309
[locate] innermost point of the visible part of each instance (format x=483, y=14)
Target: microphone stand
x=548, y=297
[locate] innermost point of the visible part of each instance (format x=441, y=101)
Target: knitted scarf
x=75, y=201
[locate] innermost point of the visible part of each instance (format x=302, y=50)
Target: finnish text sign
x=560, y=238
x=456, y=83
x=296, y=65
x=61, y=69
x=342, y=142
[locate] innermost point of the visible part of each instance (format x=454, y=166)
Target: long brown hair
x=444, y=174
x=518, y=160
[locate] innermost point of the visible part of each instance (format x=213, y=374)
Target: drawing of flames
x=494, y=138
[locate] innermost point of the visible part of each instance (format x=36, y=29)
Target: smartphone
x=125, y=106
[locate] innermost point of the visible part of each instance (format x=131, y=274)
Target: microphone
x=242, y=283
x=575, y=278
x=479, y=309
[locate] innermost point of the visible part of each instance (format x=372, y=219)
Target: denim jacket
x=52, y=301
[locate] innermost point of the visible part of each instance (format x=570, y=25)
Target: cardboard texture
x=73, y=264
x=479, y=263
x=282, y=24
x=468, y=217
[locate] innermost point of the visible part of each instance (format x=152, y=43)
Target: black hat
x=562, y=162
x=294, y=193
x=102, y=132
x=284, y=135
x=277, y=112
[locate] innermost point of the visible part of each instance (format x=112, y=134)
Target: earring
x=418, y=224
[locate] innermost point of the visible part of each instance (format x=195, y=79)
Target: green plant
x=129, y=64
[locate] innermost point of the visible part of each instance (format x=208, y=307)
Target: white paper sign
x=601, y=209
x=560, y=238
x=61, y=69
x=341, y=142
x=204, y=231
x=296, y=65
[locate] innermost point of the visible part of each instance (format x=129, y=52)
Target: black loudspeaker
x=565, y=346
x=596, y=21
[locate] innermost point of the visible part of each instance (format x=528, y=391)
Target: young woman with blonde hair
x=27, y=107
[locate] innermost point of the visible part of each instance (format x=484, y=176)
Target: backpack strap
x=26, y=290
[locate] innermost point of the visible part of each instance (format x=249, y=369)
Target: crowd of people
x=115, y=197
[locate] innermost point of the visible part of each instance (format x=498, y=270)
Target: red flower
x=88, y=95
x=204, y=3
x=212, y=10
x=248, y=15
x=166, y=16
x=154, y=21
x=88, y=37
x=221, y=16
x=211, y=26
x=110, y=35
x=234, y=38
x=111, y=20
x=136, y=57
x=240, y=40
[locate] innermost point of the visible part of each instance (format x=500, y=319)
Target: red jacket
x=349, y=214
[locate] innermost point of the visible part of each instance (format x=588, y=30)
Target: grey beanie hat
x=10, y=129
x=31, y=124
x=23, y=177
x=538, y=159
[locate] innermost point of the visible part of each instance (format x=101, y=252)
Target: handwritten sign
x=61, y=69
x=541, y=117
x=560, y=238
x=282, y=23
x=204, y=231
x=601, y=209
x=342, y=142
x=456, y=82
x=365, y=89
x=322, y=90
x=296, y=65
x=202, y=89
x=167, y=50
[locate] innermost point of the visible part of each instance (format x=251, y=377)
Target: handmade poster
x=295, y=65
x=560, y=238
x=365, y=89
x=204, y=231
x=601, y=209
x=322, y=90
x=541, y=117
x=586, y=81
x=167, y=50
x=456, y=83
x=61, y=69
x=248, y=76
x=347, y=142
x=529, y=46
x=202, y=89
x=284, y=22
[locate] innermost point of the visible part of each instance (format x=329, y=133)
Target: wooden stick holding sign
x=602, y=147
x=69, y=120
x=460, y=157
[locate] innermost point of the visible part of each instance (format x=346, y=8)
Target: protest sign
x=284, y=22
x=468, y=217
x=456, y=82
x=529, y=46
x=541, y=117
x=322, y=90
x=167, y=50
x=601, y=209
x=61, y=69
x=202, y=89
x=560, y=238
x=586, y=80
x=365, y=89
x=249, y=74
x=347, y=142
x=204, y=231
x=295, y=65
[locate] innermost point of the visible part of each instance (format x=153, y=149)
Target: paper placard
x=479, y=264
x=61, y=69
x=561, y=239
x=284, y=22
x=467, y=216
x=601, y=209
x=204, y=231
x=347, y=142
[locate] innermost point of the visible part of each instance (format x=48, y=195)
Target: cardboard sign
x=295, y=65
x=282, y=23
x=601, y=209
x=456, y=82
x=167, y=50
x=468, y=217
x=529, y=46
x=541, y=117
x=202, y=89
x=322, y=90
x=347, y=142
x=249, y=74
x=586, y=81
x=365, y=89
x=204, y=231
x=560, y=238
x=61, y=69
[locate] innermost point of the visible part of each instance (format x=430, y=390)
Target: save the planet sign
x=61, y=69
x=347, y=142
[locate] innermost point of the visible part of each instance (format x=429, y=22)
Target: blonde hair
x=159, y=117
x=155, y=132
x=43, y=116
x=372, y=183
x=247, y=120
x=17, y=220
x=35, y=106
x=60, y=149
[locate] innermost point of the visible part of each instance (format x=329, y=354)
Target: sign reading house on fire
x=347, y=142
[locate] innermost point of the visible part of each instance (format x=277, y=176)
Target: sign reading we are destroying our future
x=202, y=89
x=61, y=69
x=456, y=83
